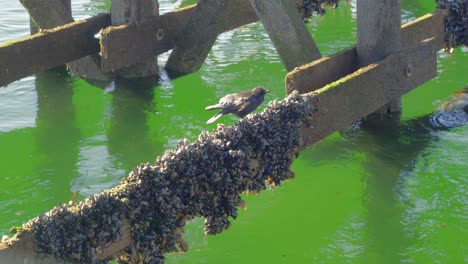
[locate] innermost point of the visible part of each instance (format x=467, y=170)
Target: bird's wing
x=232, y=102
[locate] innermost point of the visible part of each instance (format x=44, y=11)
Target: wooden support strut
x=287, y=31
x=50, y=48
x=154, y=37
x=53, y=13
x=198, y=37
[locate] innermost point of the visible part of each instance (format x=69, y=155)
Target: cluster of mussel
x=307, y=7
x=456, y=24
x=200, y=179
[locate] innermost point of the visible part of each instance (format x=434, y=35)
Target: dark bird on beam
x=239, y=104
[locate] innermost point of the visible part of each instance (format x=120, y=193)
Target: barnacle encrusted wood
x=200, y=179
x=456, y=23
x=307, y=7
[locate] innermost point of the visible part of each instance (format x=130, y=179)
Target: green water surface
x=380, y=192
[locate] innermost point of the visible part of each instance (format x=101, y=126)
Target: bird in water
x=239, y=104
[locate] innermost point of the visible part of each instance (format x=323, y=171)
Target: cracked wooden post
x=53, y=13
x=287, y=32
x=378, y=35
x=198, y=37
x=133, y=12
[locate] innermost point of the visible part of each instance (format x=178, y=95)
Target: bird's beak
x=267, y=91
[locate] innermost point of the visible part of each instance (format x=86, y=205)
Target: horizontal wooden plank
x=427, y=26
x=50, y=48
x=321, y=72
x=315, y=75
x=354, y=96
x=129, y=44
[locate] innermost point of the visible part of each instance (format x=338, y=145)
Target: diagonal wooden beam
x=154, y=37
x=287, y=31
x=198, y=37
x=50, y=48
x=315, y=75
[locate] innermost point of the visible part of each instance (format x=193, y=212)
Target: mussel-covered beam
x=287, y=31
x=362, y=92
x=315, y=75
x=144, y=216
x=50, y=48
x=156, y=36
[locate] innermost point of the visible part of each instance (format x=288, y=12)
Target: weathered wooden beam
x=287, y=32
x=198, y=37
x=54, y=13
x=424, y=27
x=153, y=37
x=50, y=48
x=354, y=96
x=378, y=35
x=135, y=11
x=317, y=74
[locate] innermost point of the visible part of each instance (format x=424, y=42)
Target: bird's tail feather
x=215, y=117
x=216, y=106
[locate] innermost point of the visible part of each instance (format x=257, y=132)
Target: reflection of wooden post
x=378, y=35
x=53, y=13
x=287, y=31
x=134, y=11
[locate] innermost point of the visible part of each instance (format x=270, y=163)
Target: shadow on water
x=128, y=132
x=57, y=136
x=392, y=148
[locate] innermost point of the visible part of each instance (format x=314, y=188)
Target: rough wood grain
x=49, y=14
x=50, y=48
x=54, y=13
x=153, y=37
x=198, y=37
x=378, y=35
x=317, y=74
x=287, y=32
x=135, y=11
x=356, y=95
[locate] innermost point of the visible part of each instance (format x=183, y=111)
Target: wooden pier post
x=53, y=13
x=287, y=32
x=378, y=35
x=133, y=12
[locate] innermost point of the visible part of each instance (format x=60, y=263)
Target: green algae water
x=379, y=192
